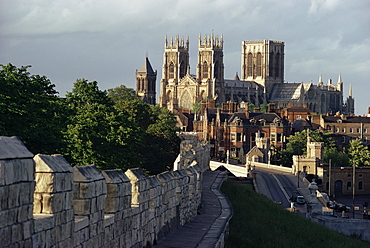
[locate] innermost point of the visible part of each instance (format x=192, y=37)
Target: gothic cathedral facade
x=179, y=88
x=261, y=82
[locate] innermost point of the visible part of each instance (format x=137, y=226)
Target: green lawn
x=258, y=222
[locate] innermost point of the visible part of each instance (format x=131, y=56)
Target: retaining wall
x=44, y=202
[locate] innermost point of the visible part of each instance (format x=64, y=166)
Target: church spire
x=350, y=90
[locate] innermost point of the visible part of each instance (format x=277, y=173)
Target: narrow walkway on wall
x=206, y=229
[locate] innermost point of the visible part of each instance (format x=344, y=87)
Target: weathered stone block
x=47, y=203
x=80, y=222
x=68, y=203
x=82, y=207
x=51, y=163
x=24, y=213
x=25, y=193
x=44, y=182
x=87, y=190
x=100, y=188
x=76, y=190
x=13, y=199
x=43, y=222
x=87, y=173
x=6, y=236
x=100, y=202
x=4, y=195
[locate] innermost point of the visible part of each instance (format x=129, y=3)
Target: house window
x=278, y=137
x=337, y=130
x=343, y=130
x=360, y=186
x=273, y=137
x=239, y=137
x=299, y=117
x=358, y=130
x=348, y=185
x=233, y=137
x=351, y=130
x=343, y=139
x=365, y=130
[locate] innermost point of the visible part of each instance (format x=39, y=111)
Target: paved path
x=206, y=228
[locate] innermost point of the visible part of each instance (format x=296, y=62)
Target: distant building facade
x=345, y=128
x=233, y=128
x=261, y=82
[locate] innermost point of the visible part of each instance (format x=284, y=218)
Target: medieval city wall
x=44, y=202
x=356, y=227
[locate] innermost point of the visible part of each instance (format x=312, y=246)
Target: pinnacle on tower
x=340, y=78
x=350, y=90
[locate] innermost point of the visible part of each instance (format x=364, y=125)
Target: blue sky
x=108, y=40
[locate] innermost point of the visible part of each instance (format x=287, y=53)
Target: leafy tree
x=160, y=144
x=31, y=110
x=162, y=139
x=297, y=144
x=337, y=158
x=358, y=153
x=251, y=107
x=263, y=108
x=85, y=92
x=99, y=134
x=122, y=93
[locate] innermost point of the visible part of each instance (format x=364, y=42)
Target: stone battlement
x=45, y=202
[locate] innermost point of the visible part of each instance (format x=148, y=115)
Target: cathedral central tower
x=263, y=63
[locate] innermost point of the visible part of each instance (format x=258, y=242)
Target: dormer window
x=339, y=121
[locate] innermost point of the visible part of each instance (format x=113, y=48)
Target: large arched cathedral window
x=182, y=70
x=277, y=65
x=259, y=64
x=217, y=70
x=205, y=70
x=171, y=70
x=250, y=65
x=271, y=65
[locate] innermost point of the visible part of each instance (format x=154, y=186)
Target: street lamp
x=329, y=191
x=353, y=191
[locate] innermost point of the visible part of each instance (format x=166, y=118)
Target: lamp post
x=329, y=191
x=298, y=177
x=353, y=191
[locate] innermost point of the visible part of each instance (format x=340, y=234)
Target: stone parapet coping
x=215, y=237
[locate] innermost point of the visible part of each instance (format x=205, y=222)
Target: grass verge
x=258, y=222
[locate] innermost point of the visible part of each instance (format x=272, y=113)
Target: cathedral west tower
x=210, y=68
x=175, y=66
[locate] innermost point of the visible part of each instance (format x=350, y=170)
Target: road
x=280, y=187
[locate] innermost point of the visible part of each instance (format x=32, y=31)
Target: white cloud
x=107, y=40
x=322, y=6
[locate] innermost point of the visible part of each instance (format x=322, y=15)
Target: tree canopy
x=358, y=153
x=111, y=129
x=31, y=110
x=297, y=145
